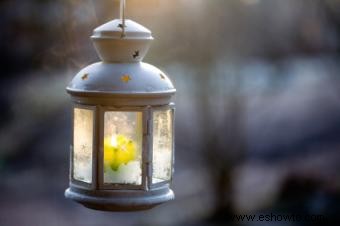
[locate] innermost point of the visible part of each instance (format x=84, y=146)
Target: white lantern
x=122, y=154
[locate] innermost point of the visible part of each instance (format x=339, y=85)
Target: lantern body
x=122, y=153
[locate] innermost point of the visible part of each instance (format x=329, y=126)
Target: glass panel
x=162, y=146
x=123, y=148
x=82, y=145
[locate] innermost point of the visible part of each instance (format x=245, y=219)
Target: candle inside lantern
x=118, y=150
x=122, y=148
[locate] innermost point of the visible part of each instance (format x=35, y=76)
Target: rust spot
x=126, y=78
x=85, y=76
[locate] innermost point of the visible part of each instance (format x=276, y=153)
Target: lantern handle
x=122, y=16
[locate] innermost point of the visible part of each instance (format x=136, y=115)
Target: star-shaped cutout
x=136, y=54
x=121, y=26
x=85, y=76
x=162, y=76
x=126, y=78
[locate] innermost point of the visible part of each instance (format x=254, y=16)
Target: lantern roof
x=121, y=79
x=121, y=71
x=121, y=45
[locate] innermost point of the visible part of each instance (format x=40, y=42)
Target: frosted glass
x=162, y=146
x=82, y=145
x=123, y=148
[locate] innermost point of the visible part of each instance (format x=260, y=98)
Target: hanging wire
x=122, y=16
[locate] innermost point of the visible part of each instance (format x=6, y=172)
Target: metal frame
x=171, y=107
x=147, y=134
x=173, y=141
x=75, y=182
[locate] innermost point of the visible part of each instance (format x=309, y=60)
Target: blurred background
x=258, y=108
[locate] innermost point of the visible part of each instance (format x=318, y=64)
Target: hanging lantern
x=123, y=124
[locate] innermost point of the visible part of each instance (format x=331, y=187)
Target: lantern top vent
x=122, y=41
x=114, y=30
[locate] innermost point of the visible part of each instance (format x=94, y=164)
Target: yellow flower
x=118, y=150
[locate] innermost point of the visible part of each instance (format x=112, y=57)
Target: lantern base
x=120, y=200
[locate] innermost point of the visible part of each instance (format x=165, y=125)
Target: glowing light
x=114, y=141
x=119, y=150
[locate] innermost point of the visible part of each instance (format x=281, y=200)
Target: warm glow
x=114, y=141
x=118, y=150
x=122, y=148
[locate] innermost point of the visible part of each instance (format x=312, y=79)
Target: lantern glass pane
x=123, y=147
x=82, y=145
x=162, y=145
